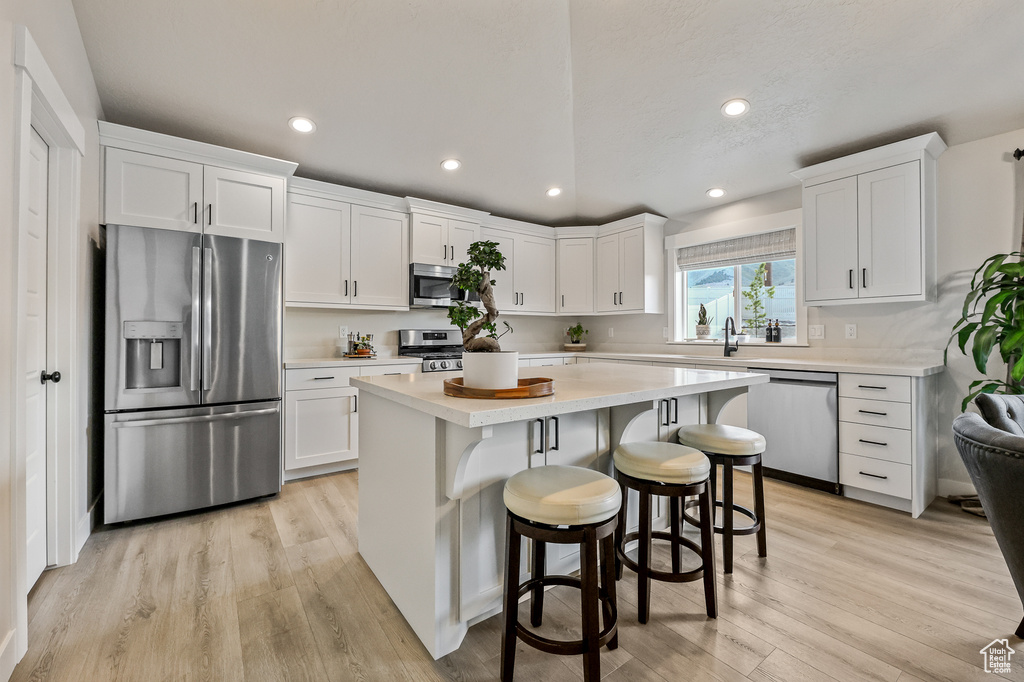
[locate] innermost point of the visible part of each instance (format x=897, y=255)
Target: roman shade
x=755, y=248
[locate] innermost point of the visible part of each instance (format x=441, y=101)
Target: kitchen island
x=432, y=470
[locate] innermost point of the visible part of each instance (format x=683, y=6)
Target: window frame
x=676, y=277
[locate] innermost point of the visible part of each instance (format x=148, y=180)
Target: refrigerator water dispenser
x=152, y=354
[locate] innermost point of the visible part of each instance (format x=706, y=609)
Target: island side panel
x=405, y=520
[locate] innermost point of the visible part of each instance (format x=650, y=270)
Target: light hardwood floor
x=276, y=590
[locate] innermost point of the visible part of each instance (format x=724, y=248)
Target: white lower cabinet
x=886, y=441
x=321, y=417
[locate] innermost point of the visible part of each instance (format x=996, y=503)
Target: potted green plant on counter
x=703, y=327
x=484, y=364
x=576, y=334
x=993, y=314
x=757, y=295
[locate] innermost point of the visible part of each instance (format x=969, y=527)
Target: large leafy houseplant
x=475, y=275
x=993, y=314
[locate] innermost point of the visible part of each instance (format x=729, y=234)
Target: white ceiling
x=615, y=101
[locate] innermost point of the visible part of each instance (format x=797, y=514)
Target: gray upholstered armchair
x=992, y=447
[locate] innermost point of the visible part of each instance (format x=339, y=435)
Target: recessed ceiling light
x=716, y=192
x=735, y=107
x=554, y=191
x=451, y=164
x=300, y=124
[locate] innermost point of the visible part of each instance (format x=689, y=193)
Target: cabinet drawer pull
x=355, y=289
x=864, y=473
x=346, y=287
x=555, y=447
x=851, y=278
x=392, y=374
x=563, y=300
x=620, y=298
x=873, y=442
x=355, y=404
x=675, y=410
x=880, y=414
x=195, y=212
x=615, y=298
x=874, y=388
x=543, y=436
x=864, y=278
x=321, y=378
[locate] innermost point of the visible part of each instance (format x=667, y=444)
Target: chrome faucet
x=730, y=349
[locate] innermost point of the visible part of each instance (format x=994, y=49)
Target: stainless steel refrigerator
x=192, y=394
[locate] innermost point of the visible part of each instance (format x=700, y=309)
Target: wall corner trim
x=27, y=56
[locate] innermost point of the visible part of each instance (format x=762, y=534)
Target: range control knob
x=458, y=364
x=444, y=364
x=433, y=365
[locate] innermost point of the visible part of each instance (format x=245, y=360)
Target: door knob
x=53, y=376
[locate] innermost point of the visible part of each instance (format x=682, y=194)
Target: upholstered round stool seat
x=562, y=495
x=665, y=462
x=722, y=439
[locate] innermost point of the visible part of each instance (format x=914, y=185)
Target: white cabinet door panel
x=631, y=269
x=830, y=241
x=321, y=427
x=380, y=271
x=607, y=265
x=535, y=273
x=152, y=191
x=889, y=217
x=460, y=235
x=429, y=240
x=576, y=275
x=317, y=258
x=505, y=294
x=242, y=204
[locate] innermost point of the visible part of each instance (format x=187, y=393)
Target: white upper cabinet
x=439, y=238
x=630, y=266
x=153, y=180
x=339, y=254
x=576, y=275
x=527, y=285
x=869, y=225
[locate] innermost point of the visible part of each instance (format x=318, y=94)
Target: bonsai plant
x=993, y=314
x=501, y=369
x=703, y=323
x=576, y=334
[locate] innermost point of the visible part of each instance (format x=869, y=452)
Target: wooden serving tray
x=536, y=387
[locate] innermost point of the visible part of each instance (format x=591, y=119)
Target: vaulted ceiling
x=615, y=101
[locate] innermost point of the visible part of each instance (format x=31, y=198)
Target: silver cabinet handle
x=864, y=473
x=543, y=436
x=879, y=414
x=197, y=291
x=873, y=442
x=207, y=315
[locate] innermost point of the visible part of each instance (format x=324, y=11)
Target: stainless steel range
x=440, y=349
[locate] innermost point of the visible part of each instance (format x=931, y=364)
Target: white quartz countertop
x=898, y=367
x=577, y=388
x=351, y=362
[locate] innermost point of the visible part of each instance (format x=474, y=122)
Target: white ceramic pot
x=703, y=331
x=491, y=370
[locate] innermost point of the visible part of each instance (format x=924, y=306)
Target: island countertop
x=577, y=388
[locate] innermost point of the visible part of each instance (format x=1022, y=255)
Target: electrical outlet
x=851, y=331
x=343, y=331
x=816, y=331
x=611, y=332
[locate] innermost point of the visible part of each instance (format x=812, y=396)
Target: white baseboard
x=309, y=472
x=950, y=486
x=86, y=524
x=8, y=656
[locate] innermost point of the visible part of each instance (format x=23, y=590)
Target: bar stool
x=731, y=446
x=562, y=505
x=676, y=472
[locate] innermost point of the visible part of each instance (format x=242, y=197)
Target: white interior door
x=34, y=325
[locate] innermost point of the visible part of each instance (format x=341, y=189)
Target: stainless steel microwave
x=430, y=286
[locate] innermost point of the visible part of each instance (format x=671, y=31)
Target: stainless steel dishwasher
x=797, y=413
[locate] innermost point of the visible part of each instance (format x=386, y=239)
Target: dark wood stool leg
x=510, y=603
x=589, y=604
x=677, y=546
x=727, y=516
x=643, y=558
x=707, y=550
x=713, y=484
x=620, y=530
x=608, y=584
x=762, y=533
x=537, y=593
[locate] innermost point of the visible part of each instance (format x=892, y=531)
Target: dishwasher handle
x=789, y=376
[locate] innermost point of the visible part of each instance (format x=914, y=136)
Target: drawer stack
x=875, y=434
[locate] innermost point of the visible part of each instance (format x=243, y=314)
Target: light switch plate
x=851, y=331
x=816, y=331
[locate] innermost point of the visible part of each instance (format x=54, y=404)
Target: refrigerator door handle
x=197, y=291
x=192, y=420
x=207, y=315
